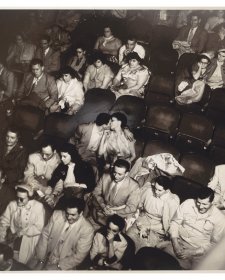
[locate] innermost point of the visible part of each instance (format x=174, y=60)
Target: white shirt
x=96, y=136
x=138, y=49
x=35, y=80
x=46, y=51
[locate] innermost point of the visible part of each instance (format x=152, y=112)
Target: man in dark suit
x=7, y=263
x=191, y=38
x=50, y=58
x=7, y=83
x=38, y=89
x=115, y=193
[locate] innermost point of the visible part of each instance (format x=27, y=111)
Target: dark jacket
x=83, y=173
x=14, y=163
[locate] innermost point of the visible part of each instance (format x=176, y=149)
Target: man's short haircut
x=102, y=118
x=6, y=251
x=36, y=61
x=116, y=220
x=120, y=117
x=15, y=130
x=122, y=163
x=163, y=181
x=47, y=143
x=195, y=14
x=45, y=37
x=75, y=203
x=131, y=37
x=206, y=192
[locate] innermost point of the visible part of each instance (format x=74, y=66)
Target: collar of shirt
x=1, y=71
x=46, y=51
x=35, y=80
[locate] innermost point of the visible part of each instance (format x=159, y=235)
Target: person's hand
x=50, y=200
x=143, y=233
x=108, y=211
x=110, y=236
x=179, y=252
x=128, y=134
x=84, y=186
x=126, y=52
x=39, y=266
x=123, y=91
x=101, y=262
x=200, y=65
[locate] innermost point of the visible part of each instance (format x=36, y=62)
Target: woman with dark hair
x=70, y=92
x=156, y=209
x=192, y=88
x=98, y=75
x=131, y=78
x=108, y=44
x=115, y=143
x=72, y=177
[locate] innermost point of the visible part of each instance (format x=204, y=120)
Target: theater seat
x=185, y=188
x=216, y=106
x=197, y=168
x=156, y=147
x=195, y=132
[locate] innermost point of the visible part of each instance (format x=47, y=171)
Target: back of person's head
x=206, y=192
x=122, y=163
x=120, y=117
x=116, y=220
x=148, y=258
x=102, y=118
x=163, y=181
x=36, y=61
x=75, y=202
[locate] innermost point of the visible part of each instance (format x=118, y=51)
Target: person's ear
x=42, y=68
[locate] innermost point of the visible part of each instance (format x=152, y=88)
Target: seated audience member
x=88, y=136
x=114, y=143
x=7, y=263
x=148, y=258
x=50, y=58
x=115, y=193
x=217, y=183
x=38, y=89
x=215, y=72
x=108, y=44
x=191, y=38
x=20, y=54
x=7, y=83
x=79, y=61
x=214, y=21
x=72, y=177
x=13, y=157
x=195, y=227
x=59, y=38
x=157, y=207
x=216, y=40
x=109, y=245
x=66, y=240
x=192, y=88
x=70, y=92
x=98, y=75
x=131, y=78
x=130, y=46
x=21, y=224
x=40, y=167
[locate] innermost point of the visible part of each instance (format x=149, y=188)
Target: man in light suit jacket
x=115, y=193
x=194, y=35
x=38, y=89
x=66, y=240
x=50, y=58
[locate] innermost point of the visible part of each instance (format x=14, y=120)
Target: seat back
x=133, y=107
x=195, y=132
x=197, y=168
x=185, y=188
x=162, y=119
x=157, y=147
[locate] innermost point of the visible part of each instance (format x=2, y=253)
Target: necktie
x=78, y=61
x=31, y=88
x=190, y=36
x=113, y=192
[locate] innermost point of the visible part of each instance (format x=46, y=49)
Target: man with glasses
x=66, y=240
x=215, y=72
x=40, y=167
x=21, y=224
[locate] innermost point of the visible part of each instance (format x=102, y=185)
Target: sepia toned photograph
x=112, y=140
